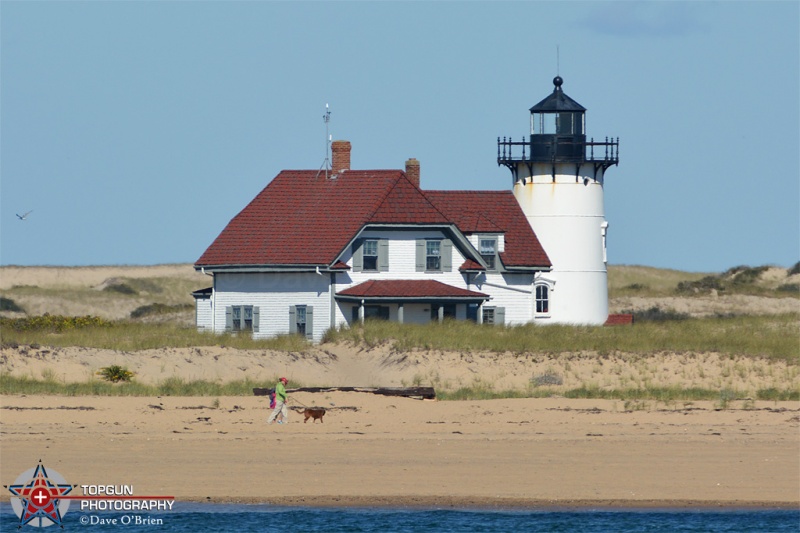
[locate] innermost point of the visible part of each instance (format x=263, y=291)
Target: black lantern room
x=558, y=135
x=558, y=127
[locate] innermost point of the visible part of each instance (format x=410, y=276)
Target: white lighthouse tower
x=558, y=181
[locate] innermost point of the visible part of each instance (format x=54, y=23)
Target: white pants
x=280, y=407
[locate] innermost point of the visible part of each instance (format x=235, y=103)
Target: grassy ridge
x=771, y=336
x=169, y=387
x=178, y=387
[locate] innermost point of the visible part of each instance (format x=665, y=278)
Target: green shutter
x=256, y=319
x=421, y=252
x=383, y=255
x=358, y=255
x=499, y=316
x=228, y=318
x=309, y=322
x=292, y=319
x=447, y=255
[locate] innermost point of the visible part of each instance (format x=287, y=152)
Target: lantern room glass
x=564, y=123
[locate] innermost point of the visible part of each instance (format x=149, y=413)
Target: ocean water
x=264, y=518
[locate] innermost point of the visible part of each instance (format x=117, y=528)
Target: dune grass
x=629, y=280
x=724, y=399
x=666, y=395
x=769, y=336
x=169, y=387
x=773, y=337
x=135, y=336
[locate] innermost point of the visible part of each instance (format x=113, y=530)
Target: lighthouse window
x=565, y=123
x=545, y=124
x=542, y=299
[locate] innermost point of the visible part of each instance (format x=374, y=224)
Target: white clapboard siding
x=203, y=314
x=274, y=294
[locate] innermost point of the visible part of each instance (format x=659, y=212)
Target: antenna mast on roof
x=326, y=164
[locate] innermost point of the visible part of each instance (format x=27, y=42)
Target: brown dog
x=315, y=413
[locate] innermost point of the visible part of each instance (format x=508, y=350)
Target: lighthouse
x=558, y=177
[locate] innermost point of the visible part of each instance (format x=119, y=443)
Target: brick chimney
x=340, y=153
x=412, y=171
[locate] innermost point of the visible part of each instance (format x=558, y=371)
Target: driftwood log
x=423, y=393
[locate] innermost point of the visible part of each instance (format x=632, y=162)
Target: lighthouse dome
x=557, y=101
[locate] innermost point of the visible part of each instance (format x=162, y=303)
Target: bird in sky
x=25, y=216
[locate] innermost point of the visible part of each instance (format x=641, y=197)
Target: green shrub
x=159, y=309
x=794, y=270
x=746, y=275
x=53, y=323
x=706, y=284
x=548, y=378
x=144, y=285
x=121, y=288
x=115, y=373
x=636, y=287
x=656, y=314
x=7, y=304
x=789, y=287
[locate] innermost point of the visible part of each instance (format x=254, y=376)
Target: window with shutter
x=383, y=255
x=239, y=318
x=370, y=251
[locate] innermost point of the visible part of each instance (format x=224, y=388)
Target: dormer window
x=488, y=250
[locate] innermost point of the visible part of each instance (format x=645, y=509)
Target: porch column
x=400, y=313
x=441, y=314
x=361, y=312
x=480, y=312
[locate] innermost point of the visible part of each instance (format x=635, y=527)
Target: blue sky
x=136, y=130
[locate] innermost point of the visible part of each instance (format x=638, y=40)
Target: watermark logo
x=39, y=497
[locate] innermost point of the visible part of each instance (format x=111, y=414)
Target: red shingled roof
x=301, y=218
x=494, y=211
x=304, y=218
x=408, y=288
x=404, y=204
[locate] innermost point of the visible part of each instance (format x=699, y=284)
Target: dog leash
x=301, y=403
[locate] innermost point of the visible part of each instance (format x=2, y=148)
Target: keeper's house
x=319, y=250
x=312, y=252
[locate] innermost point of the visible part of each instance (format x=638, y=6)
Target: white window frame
x=550, y=286
x=437, y=255
x=493, y=240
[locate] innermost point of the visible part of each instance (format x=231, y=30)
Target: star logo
x=37, y=497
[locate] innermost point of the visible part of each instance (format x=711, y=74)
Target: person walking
x=280, y=403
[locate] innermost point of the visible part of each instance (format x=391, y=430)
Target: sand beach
x=374, y=450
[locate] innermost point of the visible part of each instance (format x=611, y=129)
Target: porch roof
x=406, y=290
